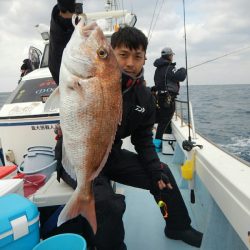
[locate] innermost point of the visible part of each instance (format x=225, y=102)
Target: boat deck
x=144, y=225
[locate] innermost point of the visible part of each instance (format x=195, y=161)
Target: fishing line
x=216, y=58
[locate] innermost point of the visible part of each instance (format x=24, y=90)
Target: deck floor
x=144, y=225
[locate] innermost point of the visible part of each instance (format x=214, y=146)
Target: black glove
x=158, y=175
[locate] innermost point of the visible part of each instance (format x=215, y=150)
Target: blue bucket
x=63, y=242
x=157, y=144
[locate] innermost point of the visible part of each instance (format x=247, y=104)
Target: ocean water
x=221, y=113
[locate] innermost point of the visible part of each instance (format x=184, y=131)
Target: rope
x=156, y=20
x=152, y=18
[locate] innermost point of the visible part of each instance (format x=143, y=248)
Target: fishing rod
x=185, y=42
x=218, y=57
x=187, y=144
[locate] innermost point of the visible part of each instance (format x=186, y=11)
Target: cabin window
x=45, y=59
x=34, y=90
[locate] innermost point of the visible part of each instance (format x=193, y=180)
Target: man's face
x=170, y=57
x=130, y=61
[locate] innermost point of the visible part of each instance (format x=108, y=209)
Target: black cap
x=66, y=5
x=24, y=67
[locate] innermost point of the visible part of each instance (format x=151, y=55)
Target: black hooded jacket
x=167, y=77
x=60, y=33
x=137, y=121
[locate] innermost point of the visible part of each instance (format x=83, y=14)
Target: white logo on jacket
x=140, y=109
x=174, y=70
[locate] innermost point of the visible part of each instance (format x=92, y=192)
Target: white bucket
x=168, y=144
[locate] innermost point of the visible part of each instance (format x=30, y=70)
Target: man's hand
x=160, y=181
x=164, y=182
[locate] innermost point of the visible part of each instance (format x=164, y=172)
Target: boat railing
x=181, y=111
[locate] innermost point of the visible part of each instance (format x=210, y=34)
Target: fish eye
x=102, y=53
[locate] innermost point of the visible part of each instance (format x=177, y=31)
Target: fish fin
x=76, y=206
x=53, y=101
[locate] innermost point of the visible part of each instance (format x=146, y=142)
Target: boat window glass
x=35, y=57
x=45, y=59
x=33, y=90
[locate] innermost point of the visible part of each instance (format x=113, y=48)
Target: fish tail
x=77, y=206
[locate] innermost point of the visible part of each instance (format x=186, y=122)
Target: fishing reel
x=188, y=145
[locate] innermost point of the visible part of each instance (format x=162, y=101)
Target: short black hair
x=66, y=5
x=130, y=37
x=24, y=67
x=26, y=64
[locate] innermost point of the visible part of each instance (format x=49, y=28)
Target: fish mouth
x=88, y=77
x=87, y=30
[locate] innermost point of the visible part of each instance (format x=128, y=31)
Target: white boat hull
x=226, y=178
x=18, y=135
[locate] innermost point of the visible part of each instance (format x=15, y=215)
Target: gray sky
x=214, y=28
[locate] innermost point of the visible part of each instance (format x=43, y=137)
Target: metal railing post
x=181, y=115
x=192, y=120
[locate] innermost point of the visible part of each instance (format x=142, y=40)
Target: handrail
x=181, y=115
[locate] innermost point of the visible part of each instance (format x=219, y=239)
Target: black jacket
x=137, y=121
x=167, y=77
x=60, y=32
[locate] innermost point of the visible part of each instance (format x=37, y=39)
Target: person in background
x=25, y=69
x=142, y=169
x=167, y=82
x=61, y=29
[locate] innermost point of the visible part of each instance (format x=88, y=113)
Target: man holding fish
x=97, y=112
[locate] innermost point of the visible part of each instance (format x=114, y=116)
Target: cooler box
x=168, y=144
x=19, y=223
x=11, y=186
x=7, y=172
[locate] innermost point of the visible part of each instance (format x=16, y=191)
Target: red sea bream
x=90, y=102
